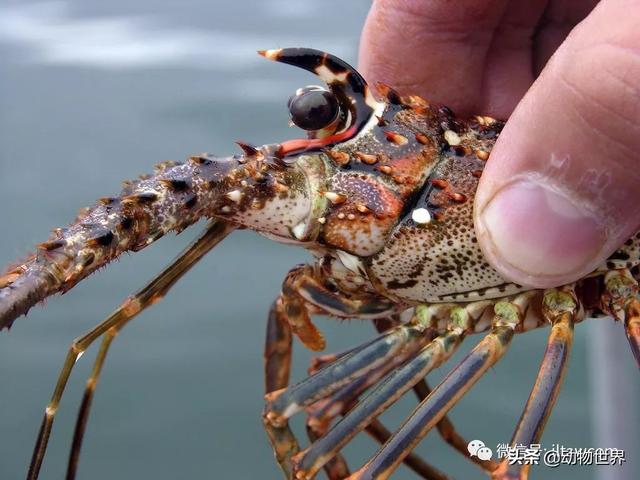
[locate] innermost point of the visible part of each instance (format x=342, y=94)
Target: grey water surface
x=92, y=93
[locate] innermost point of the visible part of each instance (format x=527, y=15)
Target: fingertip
x=536, y=235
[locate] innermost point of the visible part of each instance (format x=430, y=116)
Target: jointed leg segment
x=632, y=327
x=620, y=300
x=394, y=385
x=382, y=353
x=321, y=414
x=560, y=308
x=449, y=434
x=151, y=293
x=445, y=427
x=508, y=317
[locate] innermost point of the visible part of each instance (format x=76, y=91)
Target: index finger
x=433, y=48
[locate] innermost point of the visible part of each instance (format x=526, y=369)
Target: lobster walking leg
x=337, y=468
x=277, y=368
x=321, y=414
x=632, y=327
x=319, y=421
x=508, y=317
x=620, y=300
x=277, y=356
x=282, y=404
x=380, y=433
x=308, y=462
x=151, y=293
x=396, y=383
x=291, y=313
x=277, y=349
x=445, y=428
x=560, y=308
x=448, y=433
x=87, y=399
x=303, y=292
x=387, y=350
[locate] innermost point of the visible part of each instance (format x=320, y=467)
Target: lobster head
x=346, y=183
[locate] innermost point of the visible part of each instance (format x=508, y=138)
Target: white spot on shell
x=234, y=196
x=421, y=216
x=452, y=137
x=298, y=231
x=334, y=197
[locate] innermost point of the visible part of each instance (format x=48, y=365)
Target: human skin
x=561, y=189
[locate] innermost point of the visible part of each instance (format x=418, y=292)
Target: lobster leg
x=321, y=414
x=151, y=293
x=308, y=462
x=620, y=300
x=445, y=427
x=378, y=431
x=277, y=356
x=449, y=434
x=318, y=423
x=290, y=313
x=632, y=327
x=282, y=404
x=559, y=308
x=87, y=399
x=508, y=317
x=277, y=349
x=301, y=292
x=337, y=468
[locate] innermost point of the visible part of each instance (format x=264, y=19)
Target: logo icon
x=478, y=449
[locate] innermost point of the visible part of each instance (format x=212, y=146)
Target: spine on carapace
x=174, y=197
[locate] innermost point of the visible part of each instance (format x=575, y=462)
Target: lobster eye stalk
x=331, y=116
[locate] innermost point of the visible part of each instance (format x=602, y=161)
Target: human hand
x=561, y=189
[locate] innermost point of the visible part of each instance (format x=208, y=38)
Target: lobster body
x=406, y=193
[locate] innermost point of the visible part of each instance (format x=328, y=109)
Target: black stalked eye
x=313, y=108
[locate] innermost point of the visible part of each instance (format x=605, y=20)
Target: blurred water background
x=92, y=93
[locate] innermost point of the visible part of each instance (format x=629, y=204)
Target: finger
x=509, y=63
x=560, y=17
x=562, y=187
x=432, y=48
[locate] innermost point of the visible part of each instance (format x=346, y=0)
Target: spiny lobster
x=381, y=193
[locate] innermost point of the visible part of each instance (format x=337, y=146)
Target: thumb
x=561, y=190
